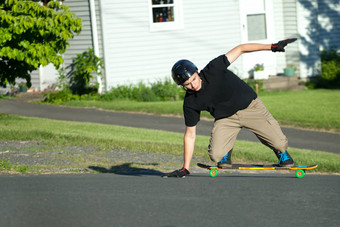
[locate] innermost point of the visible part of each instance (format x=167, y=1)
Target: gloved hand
x=279, y=47
x=181, y=173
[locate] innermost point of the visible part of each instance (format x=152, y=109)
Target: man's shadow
x=128, y=170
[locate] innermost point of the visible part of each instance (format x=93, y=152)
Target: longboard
x=300, y=171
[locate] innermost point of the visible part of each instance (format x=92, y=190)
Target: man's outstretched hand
x=279, y=47
x=181, y=173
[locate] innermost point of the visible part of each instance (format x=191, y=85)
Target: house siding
x=83, y=41
x=35, y=79
x=99, y=28
x=100, y=36
x=133, y=53
x=329, y=24
x=307, y=11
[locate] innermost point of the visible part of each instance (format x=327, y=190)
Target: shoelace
x=225, y=159
x=183, y=170
x=283, y=157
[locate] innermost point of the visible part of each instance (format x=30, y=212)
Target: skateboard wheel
x=300, y=173
x=213, y=172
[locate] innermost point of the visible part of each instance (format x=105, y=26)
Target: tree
x=33, y=35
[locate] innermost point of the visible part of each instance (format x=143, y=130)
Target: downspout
x=95, y=39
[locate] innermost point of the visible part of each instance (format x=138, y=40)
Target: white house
x=140, y=40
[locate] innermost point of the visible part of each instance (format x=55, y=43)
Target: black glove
x=181, y=173
x=281, y=44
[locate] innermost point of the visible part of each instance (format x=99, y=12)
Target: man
x=231, y=102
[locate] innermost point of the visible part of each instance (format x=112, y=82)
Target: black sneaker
x=181, y=173
x=285, y=160
x=225, y=162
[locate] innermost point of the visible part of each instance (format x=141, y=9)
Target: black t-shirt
x=222, y=93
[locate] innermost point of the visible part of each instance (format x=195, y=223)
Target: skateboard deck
x=300, y=171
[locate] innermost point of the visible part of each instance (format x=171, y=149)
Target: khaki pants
x=257, y=119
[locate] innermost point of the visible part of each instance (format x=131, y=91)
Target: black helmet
x=182, y=71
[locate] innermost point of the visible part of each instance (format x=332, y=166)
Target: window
x=256, y=19
x=257, y=28
x=165, y=15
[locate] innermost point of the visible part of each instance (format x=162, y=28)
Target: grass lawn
x=314, y=109
x=60, y=134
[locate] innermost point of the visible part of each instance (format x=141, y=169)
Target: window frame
x=177, y=24
x=267, y=11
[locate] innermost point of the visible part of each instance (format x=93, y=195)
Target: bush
x=157, y=91
x=120, y=92
x=58, y=97
x=166, y=90
x=81, y=72
x=143, y=93
x=252, y=83
x=330, y=71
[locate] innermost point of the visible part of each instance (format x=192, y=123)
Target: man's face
x=193, y=83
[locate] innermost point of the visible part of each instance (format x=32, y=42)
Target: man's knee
x=217, y=155
x=214, y=156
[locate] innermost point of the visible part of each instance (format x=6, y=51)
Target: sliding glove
x=279, y=47
x=181, y=173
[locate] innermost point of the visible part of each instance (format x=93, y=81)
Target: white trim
x=95, y=38
x=105, y=43
x=268, y=11
x=166, y=26
x=243, y=21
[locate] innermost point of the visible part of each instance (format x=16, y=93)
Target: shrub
x=166, y=90
x=143, y=93
x=58, y=97
x=330, y=71
x=252, y=83
x=158, y=91
x=81, y=72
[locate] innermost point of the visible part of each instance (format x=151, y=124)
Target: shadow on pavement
x=128, y=170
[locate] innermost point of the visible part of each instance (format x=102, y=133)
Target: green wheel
x=213, y=172
x=300, y=173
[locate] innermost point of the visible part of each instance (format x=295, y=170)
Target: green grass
x=164, y=107
x=58, y=134
x=314, y=109
x=317, y=109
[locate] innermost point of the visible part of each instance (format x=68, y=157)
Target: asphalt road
x=297, y=138
x=149, y=200
x=145, y=199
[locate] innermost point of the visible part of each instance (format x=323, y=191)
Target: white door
x=257, y=27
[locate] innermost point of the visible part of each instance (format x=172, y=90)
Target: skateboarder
x=232, y=103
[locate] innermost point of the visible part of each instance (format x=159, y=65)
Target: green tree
x=33, y=35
